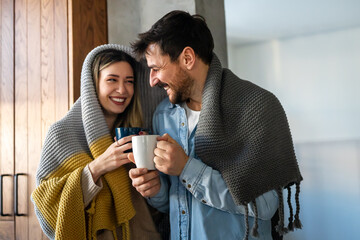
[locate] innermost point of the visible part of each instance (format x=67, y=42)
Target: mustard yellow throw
x=71, y=143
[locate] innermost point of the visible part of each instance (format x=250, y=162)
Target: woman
x=83, y=189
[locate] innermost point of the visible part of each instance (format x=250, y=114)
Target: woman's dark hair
x=132, y=116
x=175, y=31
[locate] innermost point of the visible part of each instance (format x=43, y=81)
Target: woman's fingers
x=122, y=148
x=131, y=157
x=123, y=140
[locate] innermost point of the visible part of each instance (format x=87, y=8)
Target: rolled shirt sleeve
x=208, y=186
x=89, y=188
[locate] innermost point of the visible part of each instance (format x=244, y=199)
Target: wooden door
x=7, y=224
x=40, y=48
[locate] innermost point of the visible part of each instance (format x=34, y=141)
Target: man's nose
x=152, y=82
x=153, y=79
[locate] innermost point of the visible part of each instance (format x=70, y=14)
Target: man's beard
x=182, y=90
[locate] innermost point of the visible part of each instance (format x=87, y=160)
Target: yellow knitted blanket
x=71, y=143
x=59, y=199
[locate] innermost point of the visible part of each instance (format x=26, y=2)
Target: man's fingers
x=166, y=137
x=151, y=192
x=159, y=152
x=145, y=178
x=148, y=185
x=136, y=172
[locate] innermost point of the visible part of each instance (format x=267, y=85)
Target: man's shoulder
x=234, y=82
x=164, y=105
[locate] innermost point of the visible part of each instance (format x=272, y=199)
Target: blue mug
x=127, y=131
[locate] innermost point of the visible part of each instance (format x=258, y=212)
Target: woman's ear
x=188, y=58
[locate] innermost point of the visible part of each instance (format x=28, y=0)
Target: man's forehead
x=153, y=49
x=155, y=56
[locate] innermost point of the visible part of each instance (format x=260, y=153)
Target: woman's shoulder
x=69, y=125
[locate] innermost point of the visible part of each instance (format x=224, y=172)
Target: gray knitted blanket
x=244, y=134
x=81, y=136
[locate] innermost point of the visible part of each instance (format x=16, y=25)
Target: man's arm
x=205, y=183
x=161, y=200
x=208, y=186
x=150, y=185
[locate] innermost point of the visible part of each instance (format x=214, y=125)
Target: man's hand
x=169, y=158
x=146, y=182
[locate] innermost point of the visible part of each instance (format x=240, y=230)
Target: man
x=225, y=150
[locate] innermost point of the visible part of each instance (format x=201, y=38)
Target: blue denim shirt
x=199, y=202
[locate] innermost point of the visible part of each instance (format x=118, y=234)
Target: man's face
x=168, y=75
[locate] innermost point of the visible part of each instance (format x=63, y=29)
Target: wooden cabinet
x=42, y=45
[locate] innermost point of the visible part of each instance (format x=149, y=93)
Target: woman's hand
x=111, y=159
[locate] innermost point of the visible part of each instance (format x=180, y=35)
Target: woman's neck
x=110, y=120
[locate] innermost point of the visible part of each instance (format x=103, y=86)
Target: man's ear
x=188, y=58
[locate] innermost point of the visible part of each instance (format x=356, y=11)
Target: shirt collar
x=171, y=105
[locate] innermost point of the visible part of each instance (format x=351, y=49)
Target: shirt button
x=184, y=181
x=182, y=124
x=183, y=212
x=203, y=201
x=189, y=186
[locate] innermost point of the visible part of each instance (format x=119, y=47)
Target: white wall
x=120, y=14
x=316, y=77
x=151, y=11
x=126, y=19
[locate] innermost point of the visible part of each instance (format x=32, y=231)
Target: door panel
x=34, y=139
x=7, y=230
x=21, y=114
x=7, y=115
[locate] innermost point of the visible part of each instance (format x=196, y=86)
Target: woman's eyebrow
x=113, y=75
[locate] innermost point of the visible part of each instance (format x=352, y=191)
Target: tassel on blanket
x=280, y=227
x=246, y=237
x=254, y=230
x=297, y=222
x=90, y=213
x=291, y=223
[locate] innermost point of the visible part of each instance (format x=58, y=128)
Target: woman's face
x=116, y=88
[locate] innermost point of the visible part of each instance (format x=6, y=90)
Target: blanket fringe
x=291, y=223
x=294, y=221
x=297, y=222
x=254, y=230
x=280, y=228
x=246, y=237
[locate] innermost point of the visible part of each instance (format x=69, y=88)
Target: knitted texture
x=244, y=134
x=71, y=143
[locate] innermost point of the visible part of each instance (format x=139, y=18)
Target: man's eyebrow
x=152, y=66
x=131, y=77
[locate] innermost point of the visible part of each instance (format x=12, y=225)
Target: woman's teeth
x=119, y=100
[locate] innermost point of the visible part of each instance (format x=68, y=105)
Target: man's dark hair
x=175, y=31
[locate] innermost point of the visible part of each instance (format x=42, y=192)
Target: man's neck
x=195, y=106
x=199, y=75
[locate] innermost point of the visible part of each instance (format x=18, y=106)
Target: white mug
x=143, y=148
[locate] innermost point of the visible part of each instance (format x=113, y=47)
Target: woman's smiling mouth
x=118, y=100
